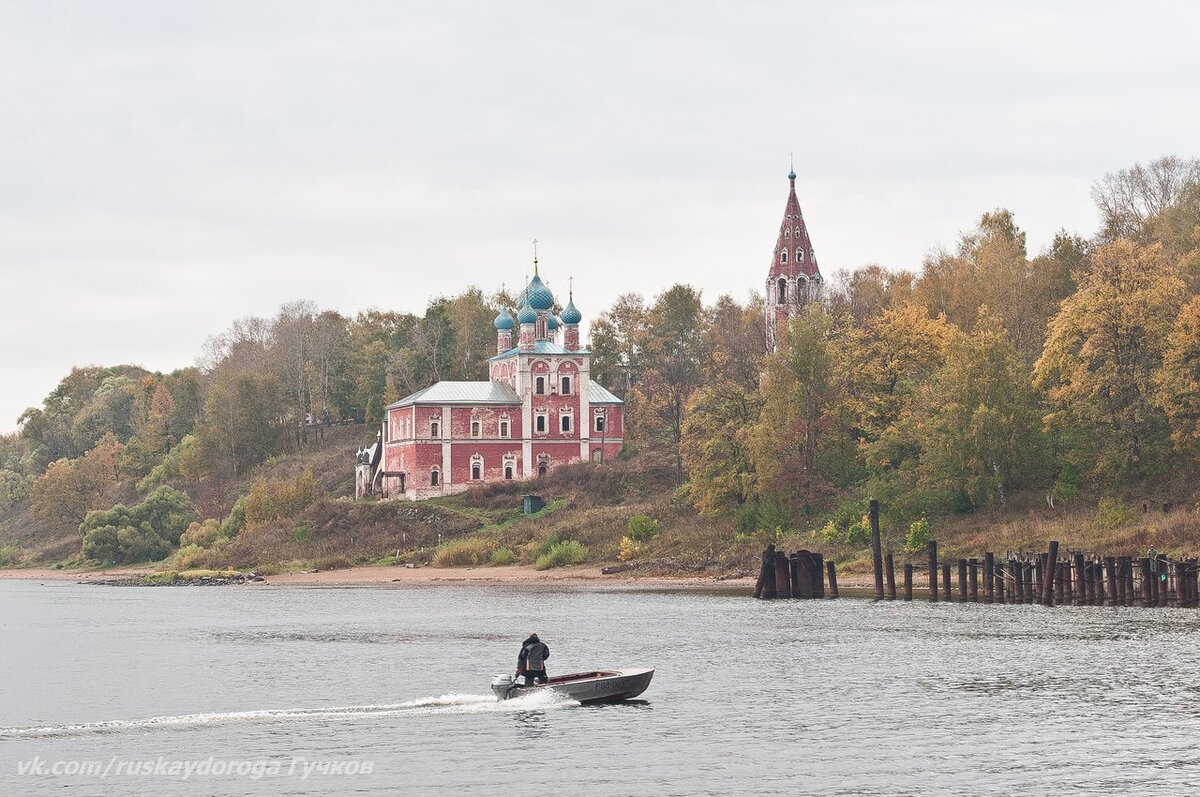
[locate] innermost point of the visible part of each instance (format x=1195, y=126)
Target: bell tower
x=793, y=279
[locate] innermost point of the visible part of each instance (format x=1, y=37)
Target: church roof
x=541, y=347
x=597, y=394
x=461, y=393
x=794, y=239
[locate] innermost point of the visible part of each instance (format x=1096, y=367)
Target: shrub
x=141, y=545
x=275, y=499
x=568, y=552
x=746, y=519
x=202, y=533
x=236, y=520
x=1112, y=513
x=8, y=555
x=501, y=557
x=14, y=488
x=464, y=553
x=859, y=532
x=918, y=535
x=628, y=550
x=190, y=556
x=830, y=533
x=642, y=528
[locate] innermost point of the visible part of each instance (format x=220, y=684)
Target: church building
x=793, y=279
x=539, y=409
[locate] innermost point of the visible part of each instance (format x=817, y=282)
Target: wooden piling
x=946, y=581
x=1080, y=588
x=973, y=580
x=989, y=573
x=783, y=575
x=998, y=588
x=908, y=575
x=1018, y=581
x=1089, y=581
x=1147, y=579
x=876, y=548
x=833, y=590
x=794, y=564
x=803, y=586
x=766, y=574
x=1110, y=572
x=890, y=572
x=818, y=573
x=931, y=549
x=1029, y=582
x=962, y=580
x=1048, y=577
x=1039, y=577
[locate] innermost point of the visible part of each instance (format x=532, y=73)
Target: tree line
x=985, y=372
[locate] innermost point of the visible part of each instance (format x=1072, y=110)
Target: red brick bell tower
x=793, y=279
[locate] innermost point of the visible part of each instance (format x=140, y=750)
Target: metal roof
x=541, y=347
x=461, y=393
x=597, y=394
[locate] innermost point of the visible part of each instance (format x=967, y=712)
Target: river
x=264, y=690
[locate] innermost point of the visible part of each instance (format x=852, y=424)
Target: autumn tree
x=1102, y=352
x=618, y=341
x=1128, y=199
x=70, y=488
x=1178, y=381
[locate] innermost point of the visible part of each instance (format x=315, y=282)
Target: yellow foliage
x=275, y=499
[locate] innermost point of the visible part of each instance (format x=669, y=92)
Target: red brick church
x=793, y=279
x=539, y=409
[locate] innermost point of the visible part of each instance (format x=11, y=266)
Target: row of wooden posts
x=1024, y=577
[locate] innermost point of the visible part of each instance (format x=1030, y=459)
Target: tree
x=979, y=419
x=1102, y=352
x=70, y=488
x=618, y=340
x=799, y=448
x=1178, y=381
x=675, y=351
x=242, y=425
x=1130, y=198
x=716, y=445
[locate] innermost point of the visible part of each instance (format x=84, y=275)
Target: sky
x=169, y=167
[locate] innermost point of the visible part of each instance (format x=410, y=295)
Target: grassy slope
x=592, y=504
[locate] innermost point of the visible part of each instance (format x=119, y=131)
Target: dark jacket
x=533, y=655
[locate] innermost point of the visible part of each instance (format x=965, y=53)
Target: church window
x=539, y=386
x=433, y=429
x=508, y=472
x=787, y=233
x=600, y=423
x=566, y=385
x=539, y=423
x=799, y=255
x=781, y=291
x=783, y=256
x=476, y=467
x=565, y=423
x=435, y=478
x=504, y=427
x=812, y=253
x=476, y=429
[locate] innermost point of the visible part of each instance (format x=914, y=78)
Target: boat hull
x=600, y=686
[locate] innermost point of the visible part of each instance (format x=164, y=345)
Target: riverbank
x=522, y=575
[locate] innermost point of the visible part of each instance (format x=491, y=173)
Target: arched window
x=566, y=385
x=783, y=256
x=781, y=291
x=504, y=426
x=508, y=472
x=799, y=255
x=433, y=429
x=435, y=478
x=597, y=455
x=539, y=386
x=539, y=423
x=565, y=423
x=600, y=422
x=787, y=233
x=476, y=471
x=476, y=429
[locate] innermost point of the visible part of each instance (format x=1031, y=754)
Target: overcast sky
x=168, y=167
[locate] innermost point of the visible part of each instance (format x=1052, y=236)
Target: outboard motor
x=502, y=685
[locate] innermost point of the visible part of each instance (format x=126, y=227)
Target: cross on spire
x=535, y=263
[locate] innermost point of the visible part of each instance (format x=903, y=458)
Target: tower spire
x=794, y=275
x=535, y=265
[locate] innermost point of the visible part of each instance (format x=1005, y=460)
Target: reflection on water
x=820, y=697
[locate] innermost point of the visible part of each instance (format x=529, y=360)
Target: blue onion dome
x=538, y=295
x=527, y=315
x=552, y=322
x=504, y=320
x=792, y=174
x=571, y=315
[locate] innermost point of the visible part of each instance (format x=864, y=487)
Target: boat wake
x=443, y=705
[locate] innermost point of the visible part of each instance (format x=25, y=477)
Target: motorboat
x=598, y=686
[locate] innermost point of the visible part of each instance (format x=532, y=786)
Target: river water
x=267, y=690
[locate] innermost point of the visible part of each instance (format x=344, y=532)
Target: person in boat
x=531, y=661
